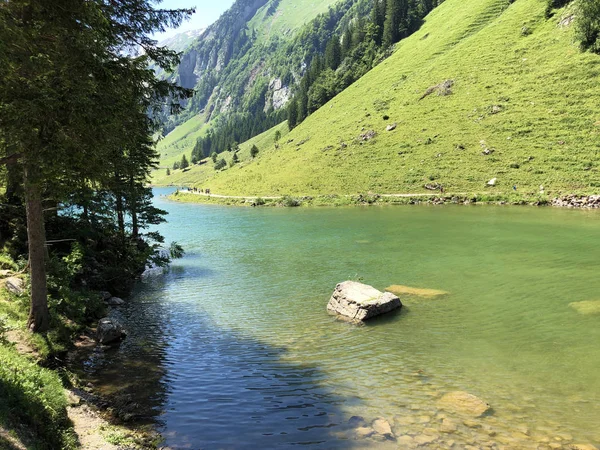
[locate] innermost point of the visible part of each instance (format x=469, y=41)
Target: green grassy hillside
x=200, y=175
x=181, y=140
x=289, y=16
x=522, y=92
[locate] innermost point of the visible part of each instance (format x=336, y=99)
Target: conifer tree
x=184, y=164
x=292, y=112
x=333, y=53
x=73, y=57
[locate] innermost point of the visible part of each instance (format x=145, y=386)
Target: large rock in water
x=109, y=330
x=464, y=403
x=360, y=301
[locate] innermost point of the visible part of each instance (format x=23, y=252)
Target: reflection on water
x=234, y=348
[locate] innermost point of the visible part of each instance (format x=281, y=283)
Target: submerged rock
x=583, y=447
x=398, y=289
x=15, y=285
x=464, y=403
x=382, y=426
x=364, y=432
x=586, y=307
x=357, y=421
x=360, y=301
x=115, y=301
x=109, y=330
x=448, y=426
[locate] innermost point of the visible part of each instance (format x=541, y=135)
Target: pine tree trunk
x=119, y=205
x=134, y=219
x=39, y=316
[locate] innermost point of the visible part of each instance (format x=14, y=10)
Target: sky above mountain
x=207, y=12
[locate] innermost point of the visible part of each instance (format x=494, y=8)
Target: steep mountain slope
x=245, y=65
x=521, y=106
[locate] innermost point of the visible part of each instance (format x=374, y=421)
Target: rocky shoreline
x=577, y=201
x=580, y=201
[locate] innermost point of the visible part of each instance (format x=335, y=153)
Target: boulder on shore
x=109, y=330
x=15, y=285
x=360, y=301
x=115, y=301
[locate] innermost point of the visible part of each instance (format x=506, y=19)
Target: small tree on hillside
x=184, y=163
x=168, y=171
x=587, y=26
x=293, y=114
x=214, y=157
x=254, y=151
x=176, y=165
x=220, y=164
x=235, y=158
x=277, y=135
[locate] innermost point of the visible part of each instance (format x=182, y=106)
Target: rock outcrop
x=109, y=331
x=464, y=403
x=360, y=302
x=15, y=285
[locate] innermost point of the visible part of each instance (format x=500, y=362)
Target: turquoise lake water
x=234, y=347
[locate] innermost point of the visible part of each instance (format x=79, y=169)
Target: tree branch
x=10, y=159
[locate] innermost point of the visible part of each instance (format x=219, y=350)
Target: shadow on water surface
x=209, y=387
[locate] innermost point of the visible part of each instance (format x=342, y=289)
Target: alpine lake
x=233, y=348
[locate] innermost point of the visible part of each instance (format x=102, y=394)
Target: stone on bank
x=360, y=302
x=109, y=331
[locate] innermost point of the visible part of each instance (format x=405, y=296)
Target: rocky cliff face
x=216, y=46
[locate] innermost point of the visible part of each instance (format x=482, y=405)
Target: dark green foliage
x=168, y=171
x=333, y=53
x=292, y=114
x=184, y=164
x=96, y=175
x=554, y=4
x=290, y=202
x=34, y=397
x=214, y=156
x=235, y=159
x=176, y=251
x=220, y=164
x=587, y=26
x=238, y=127
x=254, y=151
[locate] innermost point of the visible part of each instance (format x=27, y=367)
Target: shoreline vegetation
x=44, y=405
x=575, y=200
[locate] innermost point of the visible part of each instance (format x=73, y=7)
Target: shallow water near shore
x=234, y=348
